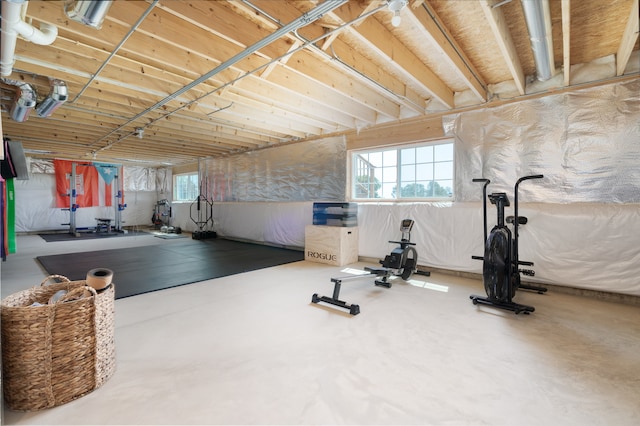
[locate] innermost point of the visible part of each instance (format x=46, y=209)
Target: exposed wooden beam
x=265, y=72
x=386, y=46
x=566, y=41
x=500, y=30
x=423, y=16
x=405, y=131
x=120, y=66
x=628, y=39
x=371, y=83
x=385, y=83
x=303, y=62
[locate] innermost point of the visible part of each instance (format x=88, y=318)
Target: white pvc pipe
x=10, y=15
x=44, y=36
x=12, y=25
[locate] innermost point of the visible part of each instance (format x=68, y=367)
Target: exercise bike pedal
x=537, y=289
x=522, y=220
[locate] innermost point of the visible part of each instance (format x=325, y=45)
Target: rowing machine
x=337, y=284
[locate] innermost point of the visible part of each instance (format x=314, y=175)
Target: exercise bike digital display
x=406, y=225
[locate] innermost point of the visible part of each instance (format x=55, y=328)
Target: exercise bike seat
x=499, y=197
x=522, y=220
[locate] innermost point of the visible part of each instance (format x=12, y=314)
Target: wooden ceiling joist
x=438, y=35
x=500, y=30
x=629, y=39
x=165, y=66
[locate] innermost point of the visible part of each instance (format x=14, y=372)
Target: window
x=185, y=187
x=416, y=171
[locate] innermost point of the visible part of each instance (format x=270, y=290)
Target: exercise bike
x=501, y=264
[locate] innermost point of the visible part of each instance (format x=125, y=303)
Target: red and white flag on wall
x=86, y=184
x=94, y=183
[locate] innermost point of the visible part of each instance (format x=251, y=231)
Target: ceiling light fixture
x=396, y=6
x=139, y=132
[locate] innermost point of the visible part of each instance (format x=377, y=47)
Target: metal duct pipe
x=115, y=50
x=538, y=19
x=12, y=25
x=88, y=12
x=23, y=103
x=56, y=97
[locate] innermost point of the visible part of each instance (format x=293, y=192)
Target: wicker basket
x=60, y=351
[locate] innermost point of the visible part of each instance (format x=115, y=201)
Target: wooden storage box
x=331, y=244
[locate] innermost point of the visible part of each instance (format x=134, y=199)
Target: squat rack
x=118, y=197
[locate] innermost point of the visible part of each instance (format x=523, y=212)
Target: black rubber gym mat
x=86, y=235
x=140, y=270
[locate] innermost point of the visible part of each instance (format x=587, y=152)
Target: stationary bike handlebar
x=515, y=190
x=484, y=203
x=526, y=178
x=516, y=219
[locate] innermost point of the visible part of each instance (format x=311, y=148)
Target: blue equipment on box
x=335, y=214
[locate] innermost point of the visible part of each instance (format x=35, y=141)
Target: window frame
x=174, y=191
x=351, y=159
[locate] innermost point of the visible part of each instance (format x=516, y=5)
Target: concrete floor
x=252, y=349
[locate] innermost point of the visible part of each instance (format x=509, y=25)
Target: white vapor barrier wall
x=280, y=224
x=135, y=178
x=35, y=200
x=267, y=196
x=584, y=214
x=303, y=171
x=591, y=246
x=584, y=142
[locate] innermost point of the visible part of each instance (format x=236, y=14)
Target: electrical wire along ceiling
x=167, y=82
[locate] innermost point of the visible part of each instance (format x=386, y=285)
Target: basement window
x=185, y=187
x=412, y=172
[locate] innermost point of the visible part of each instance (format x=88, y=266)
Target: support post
x=72, y=200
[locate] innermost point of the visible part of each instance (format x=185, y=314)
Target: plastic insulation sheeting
x=584, y=142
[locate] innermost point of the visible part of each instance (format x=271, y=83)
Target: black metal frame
x=511, y=273
x=398, y=263
x=337, y=285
